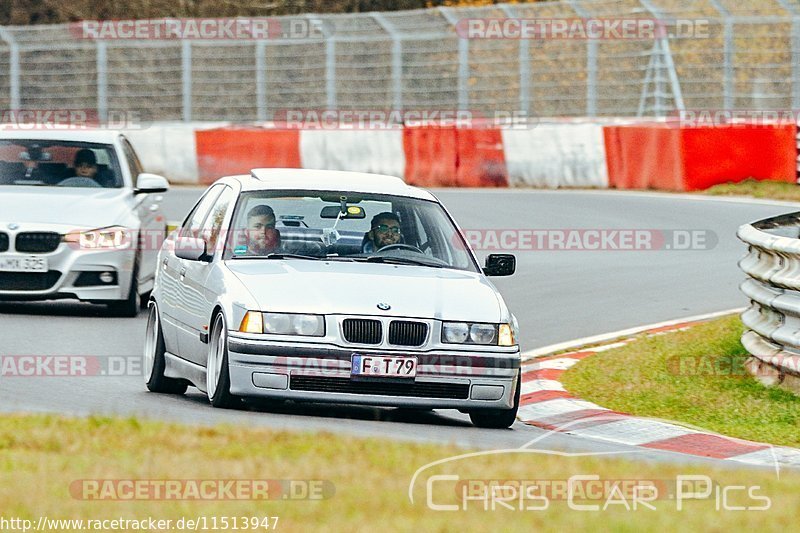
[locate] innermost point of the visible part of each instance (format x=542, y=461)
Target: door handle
x=154, y=207
x=165, y=263
x=183, y=274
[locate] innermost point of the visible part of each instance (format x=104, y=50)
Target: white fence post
x=795, y=12
x=591, y=64
x=463, y=61
x=523, y=58
x=397, y=59
x=13, y=67
x=728, y=96
x=186, y=78
x=102, y=81
x=261, y=80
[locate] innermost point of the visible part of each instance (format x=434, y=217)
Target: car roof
x=328, y=180
x=88, y=135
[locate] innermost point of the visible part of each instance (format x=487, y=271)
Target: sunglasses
x=383, y=228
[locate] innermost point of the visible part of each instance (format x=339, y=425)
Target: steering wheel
x=400, y=247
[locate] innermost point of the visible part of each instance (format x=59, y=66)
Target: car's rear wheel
x=154, y=360
x=218, y=379
x=497, y=418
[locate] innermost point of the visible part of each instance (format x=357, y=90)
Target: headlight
x=483, y=333
x=292, y=324
x=455, y=332
x=469, y=333
x=113, y=238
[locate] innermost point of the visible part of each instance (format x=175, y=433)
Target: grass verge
x=41, y=457
x=694, y=376
x=773, y=190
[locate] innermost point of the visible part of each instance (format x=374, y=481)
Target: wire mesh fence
x=747, y=57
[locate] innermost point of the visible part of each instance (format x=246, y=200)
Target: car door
x=199, y=286
x=153, y=224
x=171, y=288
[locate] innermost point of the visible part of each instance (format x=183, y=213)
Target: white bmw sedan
x=79, y=219
x=324, y=286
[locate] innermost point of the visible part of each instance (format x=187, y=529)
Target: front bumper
x=65, y=266
x=321, y=373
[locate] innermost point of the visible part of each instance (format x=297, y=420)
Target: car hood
x=332, y=287
x=69, y=207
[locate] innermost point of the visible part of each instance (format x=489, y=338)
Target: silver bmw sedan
x=325, y=286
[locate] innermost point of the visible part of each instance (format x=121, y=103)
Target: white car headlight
x=469, y=333
x=455, y=332
x=113, y=238
x=478, y=333
x=293, y=324
x=482, y=333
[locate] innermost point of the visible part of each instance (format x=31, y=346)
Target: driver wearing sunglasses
x=385, y=231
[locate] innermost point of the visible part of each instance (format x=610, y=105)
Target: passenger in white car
x=262, y=236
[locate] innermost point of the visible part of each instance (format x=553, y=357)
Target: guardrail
x=773, y=286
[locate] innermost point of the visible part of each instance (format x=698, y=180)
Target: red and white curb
x=546, y=404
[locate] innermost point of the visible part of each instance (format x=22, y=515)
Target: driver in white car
x=85, y=170
x=385, y=231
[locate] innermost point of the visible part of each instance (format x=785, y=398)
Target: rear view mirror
x=500, y=265
x=351, y=212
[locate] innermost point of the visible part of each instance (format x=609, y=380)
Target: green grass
x=673, y=376
x=41, y=456
x=774, y=190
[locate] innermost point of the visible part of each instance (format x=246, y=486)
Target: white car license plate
x=22, y=263
x=383, y=366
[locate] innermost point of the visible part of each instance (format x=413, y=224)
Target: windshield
x=346, y=226
x=58, y=164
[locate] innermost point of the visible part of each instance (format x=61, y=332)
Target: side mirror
x=500, y=265
x=191, y=249
x=150, y=183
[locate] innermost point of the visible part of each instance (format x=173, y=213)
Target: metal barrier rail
x=773, y=287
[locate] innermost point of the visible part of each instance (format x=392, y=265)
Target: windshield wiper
x=279, y=255
x=276, y=255
x=400, y=261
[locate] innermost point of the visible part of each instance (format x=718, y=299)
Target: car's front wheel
x=129, y=307
x=218, y=379
x=497, y=418
x=154, y=361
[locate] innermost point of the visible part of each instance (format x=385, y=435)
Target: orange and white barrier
x=639, y=155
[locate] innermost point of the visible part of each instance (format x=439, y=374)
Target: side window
x=213, y=223
x=131, y=159
x=194, y=222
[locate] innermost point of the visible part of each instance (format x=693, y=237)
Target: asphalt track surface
x=557, y=295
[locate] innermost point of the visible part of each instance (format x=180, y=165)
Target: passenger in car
x=262, y=237
x=385, y=231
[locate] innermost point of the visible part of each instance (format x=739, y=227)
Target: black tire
x=220, y=396
x=157, y=382
x=497, y=418
x=129, y=307
x=144, y=300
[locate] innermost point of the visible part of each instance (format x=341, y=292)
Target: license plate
x=383, y=366
x=23, y=263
